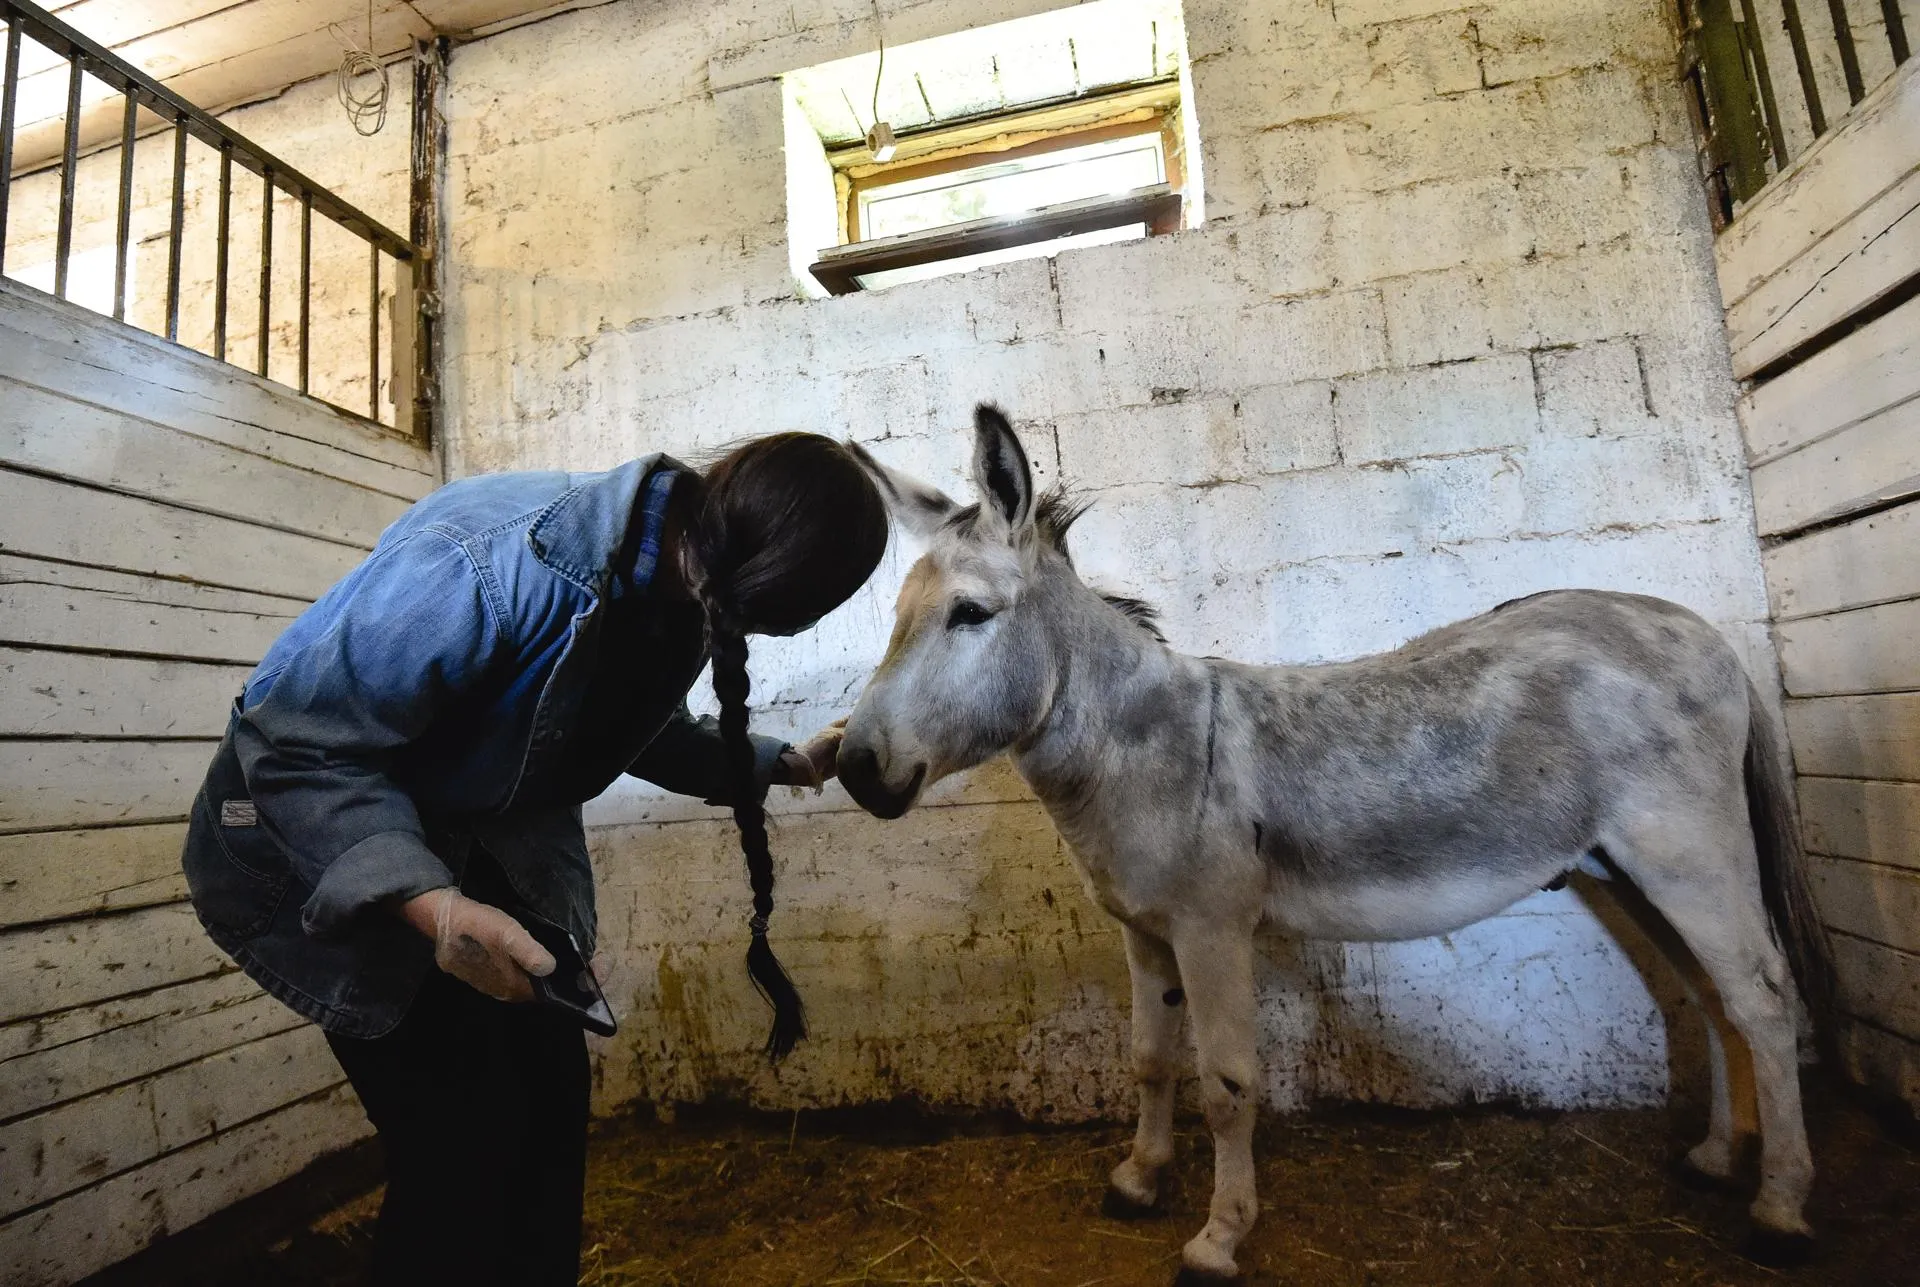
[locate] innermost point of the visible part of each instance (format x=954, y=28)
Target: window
x=945, y=194
x=1013, y=141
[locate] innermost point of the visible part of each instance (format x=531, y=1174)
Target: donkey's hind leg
x=1730, y=1117
x=1134, y=1187
x=1703, y=877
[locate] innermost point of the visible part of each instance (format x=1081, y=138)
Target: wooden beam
x=1866, y=650
x=1869, y=901
x=57, y=875
x=50, y=692
x=1864, y=466
x=1856, y=818
x=1857, y=737
x=840, y=268
x=69, y=350
x=83, y=962
x=48, y=519
x=1854, y=565
x=1864, y=373
x=49, y=433
x=98, y=1226
x=196, y=1027
x=64, y=605
x=60, y=784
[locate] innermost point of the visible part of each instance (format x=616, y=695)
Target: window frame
x=1131, y=112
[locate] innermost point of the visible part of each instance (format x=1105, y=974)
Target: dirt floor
x=1347, y=1197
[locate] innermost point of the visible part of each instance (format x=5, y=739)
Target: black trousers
x=481, y=1107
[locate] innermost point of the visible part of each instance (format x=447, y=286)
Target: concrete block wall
x=1449, y=335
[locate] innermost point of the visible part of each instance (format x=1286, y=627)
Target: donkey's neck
x=1113, y=681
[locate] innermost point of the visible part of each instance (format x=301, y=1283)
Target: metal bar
x=123, y=223
x=1849, y=59
x=116, y=71
x=221, y=255
x=266, y=268
x=306, y=279
x=175, y=225
x=8, y=96
x=69, y=155
x=1803, y=62
x=1896, y=30
x=427, y=171
x=1738, y=147
x=1757, y=59
x=373, y=334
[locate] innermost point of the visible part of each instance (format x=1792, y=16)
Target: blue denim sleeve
x=414, y=628
x=688, y=756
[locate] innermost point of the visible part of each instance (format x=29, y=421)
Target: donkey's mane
x=1055, y=513
x=1138, y=611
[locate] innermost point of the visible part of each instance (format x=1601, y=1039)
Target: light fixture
x=880, y=141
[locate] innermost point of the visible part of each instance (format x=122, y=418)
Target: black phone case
x=571, y=987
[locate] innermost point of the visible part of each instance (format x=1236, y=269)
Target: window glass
x=997, y=188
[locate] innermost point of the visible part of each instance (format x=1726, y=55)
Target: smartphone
x=571, y=987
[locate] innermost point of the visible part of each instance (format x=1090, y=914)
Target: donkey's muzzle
x=860, y=774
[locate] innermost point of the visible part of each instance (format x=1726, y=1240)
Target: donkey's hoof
x=1191, y=1277
x=1117, y=1205
x=1777, y=1248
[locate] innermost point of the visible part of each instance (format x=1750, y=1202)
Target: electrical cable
x=366, y=108
x=879, y=34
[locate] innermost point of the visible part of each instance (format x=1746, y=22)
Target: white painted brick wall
x=1450, y=336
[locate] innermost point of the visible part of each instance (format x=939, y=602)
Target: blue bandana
x=653, y=521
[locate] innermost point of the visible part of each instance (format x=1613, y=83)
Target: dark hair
x=787, y=528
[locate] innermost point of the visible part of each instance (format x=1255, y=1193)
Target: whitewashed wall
x=1835, y=446
x=162, y=518
x=1450, y=335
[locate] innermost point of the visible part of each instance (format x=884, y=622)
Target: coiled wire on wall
x=366, y=107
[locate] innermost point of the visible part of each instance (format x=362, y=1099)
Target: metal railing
x=1754, y=121
x=181, y=120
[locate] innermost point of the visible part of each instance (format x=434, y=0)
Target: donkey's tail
x=1783, y=875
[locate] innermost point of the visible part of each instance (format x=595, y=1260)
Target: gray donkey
x=1399, y=796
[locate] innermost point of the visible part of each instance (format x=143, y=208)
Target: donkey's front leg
x=1134, y=1186
x=1216, y=965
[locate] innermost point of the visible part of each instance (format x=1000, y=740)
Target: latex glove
x=814, y=762
x=479, y=944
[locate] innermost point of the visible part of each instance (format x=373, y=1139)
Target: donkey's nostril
x=858, y=764
x=861, y=774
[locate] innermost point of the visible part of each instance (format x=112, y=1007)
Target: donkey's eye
x=967, y=613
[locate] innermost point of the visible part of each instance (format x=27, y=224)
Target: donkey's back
x=1415, y=791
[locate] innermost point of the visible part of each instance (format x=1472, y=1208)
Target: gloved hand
x=814, y=762
x=479, y=944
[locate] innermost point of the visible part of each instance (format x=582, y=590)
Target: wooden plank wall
x=1834, y=440
x=162, y=517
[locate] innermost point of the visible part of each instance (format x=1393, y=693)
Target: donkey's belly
x=1397, y=907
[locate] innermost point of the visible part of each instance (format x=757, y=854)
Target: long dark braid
x=732, y=686
x=781, y=531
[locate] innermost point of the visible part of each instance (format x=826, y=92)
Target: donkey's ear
x=917, y=507
x=1000, y=468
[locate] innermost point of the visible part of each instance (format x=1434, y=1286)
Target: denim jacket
x=422, y=707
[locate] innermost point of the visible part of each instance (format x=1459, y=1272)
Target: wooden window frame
x=1129, y=113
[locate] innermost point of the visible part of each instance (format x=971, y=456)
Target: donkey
x=1399, y=796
